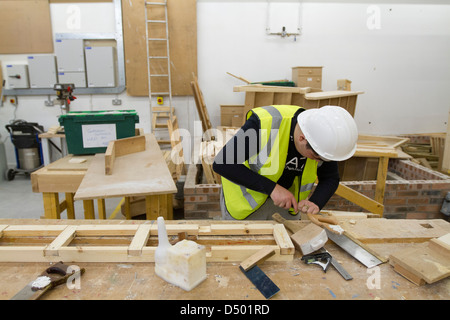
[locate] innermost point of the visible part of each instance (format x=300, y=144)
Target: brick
x=408, y=193
x=431, y=193
x=416, y=215
x=189, y=207
x=396, y=201
x=208, y=206
x=195, y=198
x=441, y=186
x=404, y=209
x=418, y=200
x=429, y=208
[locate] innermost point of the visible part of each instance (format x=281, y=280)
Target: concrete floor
x=17, y=200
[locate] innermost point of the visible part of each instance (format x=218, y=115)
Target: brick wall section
x=419, y=196
x=201, y=201
x=416, y=197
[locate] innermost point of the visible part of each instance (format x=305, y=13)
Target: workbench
x=139, y=174
x=46, y=150
x=296, y=280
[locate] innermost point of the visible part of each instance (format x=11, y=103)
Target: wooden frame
x=138, y=242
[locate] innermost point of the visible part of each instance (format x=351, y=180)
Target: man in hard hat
x=273, y=161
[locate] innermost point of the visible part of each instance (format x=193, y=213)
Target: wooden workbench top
x=136, y=174
x=295, y=279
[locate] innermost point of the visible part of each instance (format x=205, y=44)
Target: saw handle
x=324, y=222
x=321, y=220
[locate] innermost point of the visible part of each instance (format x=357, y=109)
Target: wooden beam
x=63, y=239
x=360, y=199
x=258, y=257
x=383, y=163
x=139, y=240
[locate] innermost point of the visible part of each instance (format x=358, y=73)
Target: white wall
x=398, y=54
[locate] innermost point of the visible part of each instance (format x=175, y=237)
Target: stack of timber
x=208, y=151
x=364, y=164
x=426, y=149
x=424, y=263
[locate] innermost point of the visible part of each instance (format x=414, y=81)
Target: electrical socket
x=116, y=102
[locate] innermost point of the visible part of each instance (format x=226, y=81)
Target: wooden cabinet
x=232, y=115
x=307, y=77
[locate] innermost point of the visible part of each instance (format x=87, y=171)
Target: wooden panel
x=183, y=46
x=393, y=230
x=136, y=174
x=427, y=262
x=25, y=27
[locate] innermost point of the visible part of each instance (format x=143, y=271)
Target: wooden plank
x=2, y=227
x=25, y=27
x=360, y=199
x=396, y=230
x=330, y=94
x=63, y=239
x=258, y=257
x=101, y=206
x=89, y=211
x=423, y=261
x=381, y=179
x=51, y=205
x=201, y=107
x=240, y=253
x=283, y=240
x=139, y=240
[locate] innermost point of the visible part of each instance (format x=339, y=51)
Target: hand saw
x=340, y=238
x=50, y=278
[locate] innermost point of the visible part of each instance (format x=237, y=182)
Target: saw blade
x=355, y=250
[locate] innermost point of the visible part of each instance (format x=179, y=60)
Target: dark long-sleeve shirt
x=229, y=164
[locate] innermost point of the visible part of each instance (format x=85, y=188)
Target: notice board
x=25, y=27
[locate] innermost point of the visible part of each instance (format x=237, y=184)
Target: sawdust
x=223, y=281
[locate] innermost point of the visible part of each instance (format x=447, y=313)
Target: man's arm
x=328, y=176
x=229, y=162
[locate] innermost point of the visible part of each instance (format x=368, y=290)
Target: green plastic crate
x=89, y=132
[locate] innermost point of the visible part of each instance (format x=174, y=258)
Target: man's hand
x=308, y=207
x=284, y=198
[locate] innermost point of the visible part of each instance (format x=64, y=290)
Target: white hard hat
x=331, y=131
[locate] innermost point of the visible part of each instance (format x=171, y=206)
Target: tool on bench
x=324, y=259
x=342, y=239
x=261, y=281
x=326, y=222
x=50, y=278
x=307, y=239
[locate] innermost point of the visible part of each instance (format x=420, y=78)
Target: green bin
x=89, y=132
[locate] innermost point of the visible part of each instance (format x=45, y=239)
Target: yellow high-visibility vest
x=269, y=162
